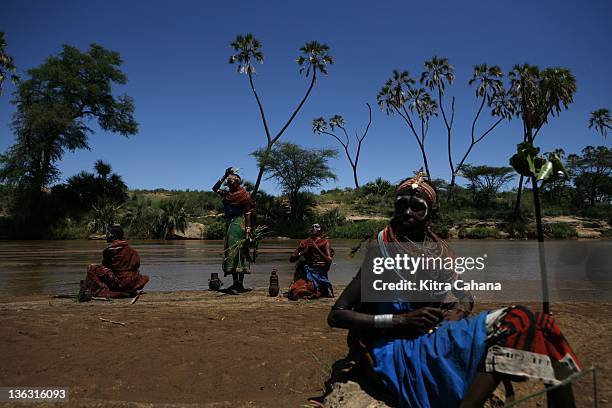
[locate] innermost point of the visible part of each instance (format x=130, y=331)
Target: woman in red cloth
x=237, y=208
x=118, y=275
x=313, y=281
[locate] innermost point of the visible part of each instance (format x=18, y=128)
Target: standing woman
x=237, y=207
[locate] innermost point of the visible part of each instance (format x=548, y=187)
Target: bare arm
x=247, y=218
x=344, y=316
x=216, y=188
x=299, y=251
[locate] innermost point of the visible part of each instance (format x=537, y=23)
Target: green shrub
x=606, y=233
x=359, y=229
x=440, y=230
x=560, y=230
x=67, y=229
x=214, y=228
x=331, y=219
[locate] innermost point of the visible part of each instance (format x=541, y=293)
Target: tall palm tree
x=315, y=58
x=394, y=93
x=248, y=48
x=490, y=88
x=438, y=72
x=601, y=120
x=398, y=92
x=488, y=80
x=538, y=95
x=7, y=67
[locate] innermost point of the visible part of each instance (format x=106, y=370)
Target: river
x=55, y=267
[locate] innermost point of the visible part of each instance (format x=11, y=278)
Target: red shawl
x=120, y=257
x=240, y=196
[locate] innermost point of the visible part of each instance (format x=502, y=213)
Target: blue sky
x=197, y=115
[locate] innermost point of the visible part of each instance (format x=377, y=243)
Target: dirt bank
x=207, y=349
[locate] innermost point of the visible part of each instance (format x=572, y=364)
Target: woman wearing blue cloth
x=312, y=280
x=426, y=355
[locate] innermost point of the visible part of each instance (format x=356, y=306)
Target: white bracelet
x=383, y=321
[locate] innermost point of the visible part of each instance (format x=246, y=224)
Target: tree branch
x=279, y=134
x=261, y=110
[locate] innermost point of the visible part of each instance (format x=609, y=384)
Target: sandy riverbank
x=211, y=350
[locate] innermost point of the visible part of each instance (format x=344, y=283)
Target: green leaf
x=519, y=162
x=558, y=167
x=545, y=171
x=532, y=168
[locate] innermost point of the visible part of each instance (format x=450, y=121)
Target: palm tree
x=315, y=56
x=102, y=169
x=393, y=94
x=601, y=120
x=438, y=71
x=248, y=49
x=538, y=95
x=490, y=88
x=6, y=63
x=320, y=126
x=437, y=76
x=396, y=94
x=172, y=217
x=314, y=59
x=110, y=186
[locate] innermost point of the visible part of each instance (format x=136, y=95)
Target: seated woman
x=118, y=275
x=424, y=356
x=311, y=280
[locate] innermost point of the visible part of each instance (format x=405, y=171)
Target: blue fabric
x=317, y=277
x=434, y=370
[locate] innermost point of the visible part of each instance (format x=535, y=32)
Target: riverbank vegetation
x=476, y=212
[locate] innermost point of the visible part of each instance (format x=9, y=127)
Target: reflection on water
x=49, y=267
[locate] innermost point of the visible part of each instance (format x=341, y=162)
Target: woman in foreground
x=423, y=355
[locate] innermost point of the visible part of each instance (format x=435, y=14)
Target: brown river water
x=55, y=267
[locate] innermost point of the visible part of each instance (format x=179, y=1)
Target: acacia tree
x=601, y=120
x=322, y=126
x=485, y=181
x=398, y=92
x=592, y=174
x=7, y=67
x=55, y=105
x=296, y=169
x=438, y=75
x=314, y=59
x=537, y=95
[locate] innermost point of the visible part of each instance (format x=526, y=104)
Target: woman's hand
x=420, y=320
x=228, y=171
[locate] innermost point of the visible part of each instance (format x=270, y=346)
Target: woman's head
x=415, y=202
x=114, y=233
x=233, y=182
x=316, y=230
